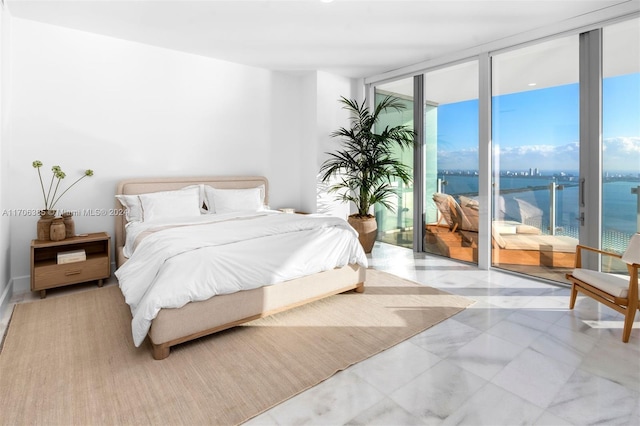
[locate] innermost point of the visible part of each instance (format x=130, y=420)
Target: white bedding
x=194, y=259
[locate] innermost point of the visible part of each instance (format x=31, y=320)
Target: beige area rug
x=71, y=359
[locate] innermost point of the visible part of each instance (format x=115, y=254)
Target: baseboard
x=5, y=298
x=16, y=286
x=21, y=284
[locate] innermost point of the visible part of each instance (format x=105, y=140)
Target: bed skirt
x=197, y=319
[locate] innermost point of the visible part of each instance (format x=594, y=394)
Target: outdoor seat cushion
x=470, y=210
x=513, y=227
x=555, y=243
x=454, y=214
x=616, y=285
x=469, y=220
x=442, y=203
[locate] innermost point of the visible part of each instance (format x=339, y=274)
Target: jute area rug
x=71, y=359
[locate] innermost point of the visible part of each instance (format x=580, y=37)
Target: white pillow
x=231, y=200
x=132, y=206
x=133, y=203
x=201, y=202
x=168, y=204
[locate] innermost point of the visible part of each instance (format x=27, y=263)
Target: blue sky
x=539, y=129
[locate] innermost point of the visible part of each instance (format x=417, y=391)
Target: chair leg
x=628, y=323
x=574, y=295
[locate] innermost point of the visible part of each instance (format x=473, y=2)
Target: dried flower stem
x=60, y=196
x=50, y=200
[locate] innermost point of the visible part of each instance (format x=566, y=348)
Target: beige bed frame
x=197, y=319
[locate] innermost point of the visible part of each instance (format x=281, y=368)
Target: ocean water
x=527, y=199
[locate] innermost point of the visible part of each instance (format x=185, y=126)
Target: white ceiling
x=545, y=64
x=353, y=38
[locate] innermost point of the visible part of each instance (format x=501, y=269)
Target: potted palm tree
x=366, y=165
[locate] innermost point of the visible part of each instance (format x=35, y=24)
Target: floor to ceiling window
x=451, y=161
x=396, y=226
x=620, y=137
x=564, y=128
x=535, y=135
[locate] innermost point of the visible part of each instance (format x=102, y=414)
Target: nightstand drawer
x=48, y=276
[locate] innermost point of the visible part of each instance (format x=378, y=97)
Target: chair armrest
x=594, y=250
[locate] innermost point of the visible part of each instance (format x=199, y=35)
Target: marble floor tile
x=504, y=301
x=614, y=360
x=599, y=325
x=548, y=419
x=438, y=392
x=564, y=345
x=453, y=280
x=589, y=399
x=493, y=405
x=534, y=377
x=385, y=413
x=635, y=418
x=502, y=279
x=446, y=337
x=482, y=316
x=549, y=301
x=334, y=401
x=395, y=367
x=486, y=355
x=545, y=313
x=520, y=329
x=587, y=308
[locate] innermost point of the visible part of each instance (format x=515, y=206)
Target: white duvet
x=194, y=259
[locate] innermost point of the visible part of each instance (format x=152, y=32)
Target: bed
x=150, y=253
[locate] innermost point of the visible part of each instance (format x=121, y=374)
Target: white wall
x=330, y=117
x=321, y=114
x=286, y=147
x=126, y=109
x=5, y=219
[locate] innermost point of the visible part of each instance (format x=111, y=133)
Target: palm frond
x=366, y=164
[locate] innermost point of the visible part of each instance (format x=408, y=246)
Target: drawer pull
x=73, y=272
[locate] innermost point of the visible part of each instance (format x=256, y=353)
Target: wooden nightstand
x=47, y=273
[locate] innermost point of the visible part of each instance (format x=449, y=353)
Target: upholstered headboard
x=146, y=185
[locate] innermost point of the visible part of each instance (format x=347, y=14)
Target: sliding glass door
x=535, y=133
x=395, y=226
x=451, y=161
x=620, y=137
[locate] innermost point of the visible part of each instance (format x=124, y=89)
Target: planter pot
x=43, y=226
x=367, y=229
x=69, y=225
x=57, y=231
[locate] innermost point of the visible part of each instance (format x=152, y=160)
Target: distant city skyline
x=634, y=175
x=539, y=128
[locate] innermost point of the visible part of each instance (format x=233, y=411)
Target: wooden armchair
x=617, y=291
